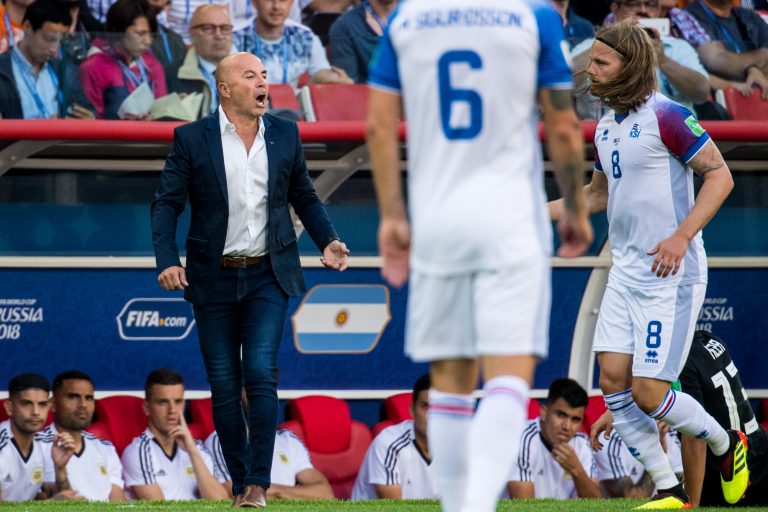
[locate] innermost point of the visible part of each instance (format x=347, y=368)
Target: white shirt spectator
x=247, y=176
x=92, y=472
x=297, y=51
x=145, y=463
x=614, y=461
x=536, y=464
x=394, y=459
x=20, y=479
x=289, y=458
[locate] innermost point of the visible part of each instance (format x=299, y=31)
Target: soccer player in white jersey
x=478, y=242
x=94, y=471
x=555, y=459
x=646, y=150
x=293, y=475
x=397, y=464
x=21, y=452
x=165, y=462
x=623, y=476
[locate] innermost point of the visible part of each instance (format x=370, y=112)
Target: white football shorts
x=501, y=311
x=654, y=325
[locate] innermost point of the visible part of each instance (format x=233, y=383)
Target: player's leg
x=615, y=345
x=440, y=330
x=512, y=315
x=670, y=318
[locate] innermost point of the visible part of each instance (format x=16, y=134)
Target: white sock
x=494, y=441
x=641, y=435
x=448, y=425
x=688, y=417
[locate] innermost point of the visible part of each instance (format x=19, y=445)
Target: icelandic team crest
x=635, y=131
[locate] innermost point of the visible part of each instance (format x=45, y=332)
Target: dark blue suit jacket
x=194, y=170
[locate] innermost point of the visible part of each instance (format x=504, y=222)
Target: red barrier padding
x=329, y=131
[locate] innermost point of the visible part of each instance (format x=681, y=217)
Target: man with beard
x=21, y=453
x=95, y=471
x=651, y=146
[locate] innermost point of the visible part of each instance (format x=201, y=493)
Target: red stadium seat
x=752, y=108
x=377, y=428
x=595, y=408
x=534, y=409
x=282, y=96
x=335, y=102
x=336, y=442
x=124, y=416
x=397, y=407
x=201, y=413
x=101, y=430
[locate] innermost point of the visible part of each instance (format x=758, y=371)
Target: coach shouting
x=240, y=168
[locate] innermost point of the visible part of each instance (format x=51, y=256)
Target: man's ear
x=223, y=89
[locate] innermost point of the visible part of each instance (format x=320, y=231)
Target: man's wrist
x=330, y=240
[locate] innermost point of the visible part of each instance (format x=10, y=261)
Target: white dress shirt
x=247, y=191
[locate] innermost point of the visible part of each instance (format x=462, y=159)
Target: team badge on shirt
x=37, y=475
x=283, y=458
x=103, y=469
x=190, y=471
x=635, y=131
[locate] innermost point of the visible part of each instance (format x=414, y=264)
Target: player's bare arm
x=384, y=114
x=311, y=484
x=595, y=193
x=566, y=150
x=718, y=183
x=388, y=492
x=586, y=487
x=521, y=490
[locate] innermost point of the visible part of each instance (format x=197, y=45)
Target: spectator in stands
x=555, y=459
x=30, y=85
x=11, y=31
x=397, y=464
x=744, y=36
x=95, y=472
x=354, y=36
x=21, y=454
x=288, y=50
x=211, y=33
x=726, y=68
x=621, y=475
x=165, y=462
x=242, y=13
x=167, y=46
x=125, y=63
x=594, y=11
x=293, y=476
x=577, y=29
x=680, y=74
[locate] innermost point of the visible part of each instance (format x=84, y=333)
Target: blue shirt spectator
x=354, y=35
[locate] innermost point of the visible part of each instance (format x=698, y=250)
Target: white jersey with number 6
x=473, y=69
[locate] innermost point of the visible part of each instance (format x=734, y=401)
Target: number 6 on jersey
x=450, y=95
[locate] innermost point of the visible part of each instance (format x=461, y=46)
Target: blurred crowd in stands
x=154, y=59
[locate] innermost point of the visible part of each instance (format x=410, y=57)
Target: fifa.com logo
x=155, y=319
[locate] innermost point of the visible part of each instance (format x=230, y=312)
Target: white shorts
x=654, y=325
x=488, y=312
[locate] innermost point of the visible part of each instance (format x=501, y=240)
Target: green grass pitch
x=338, y=506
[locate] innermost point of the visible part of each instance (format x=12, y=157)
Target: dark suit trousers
x=247, y=311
